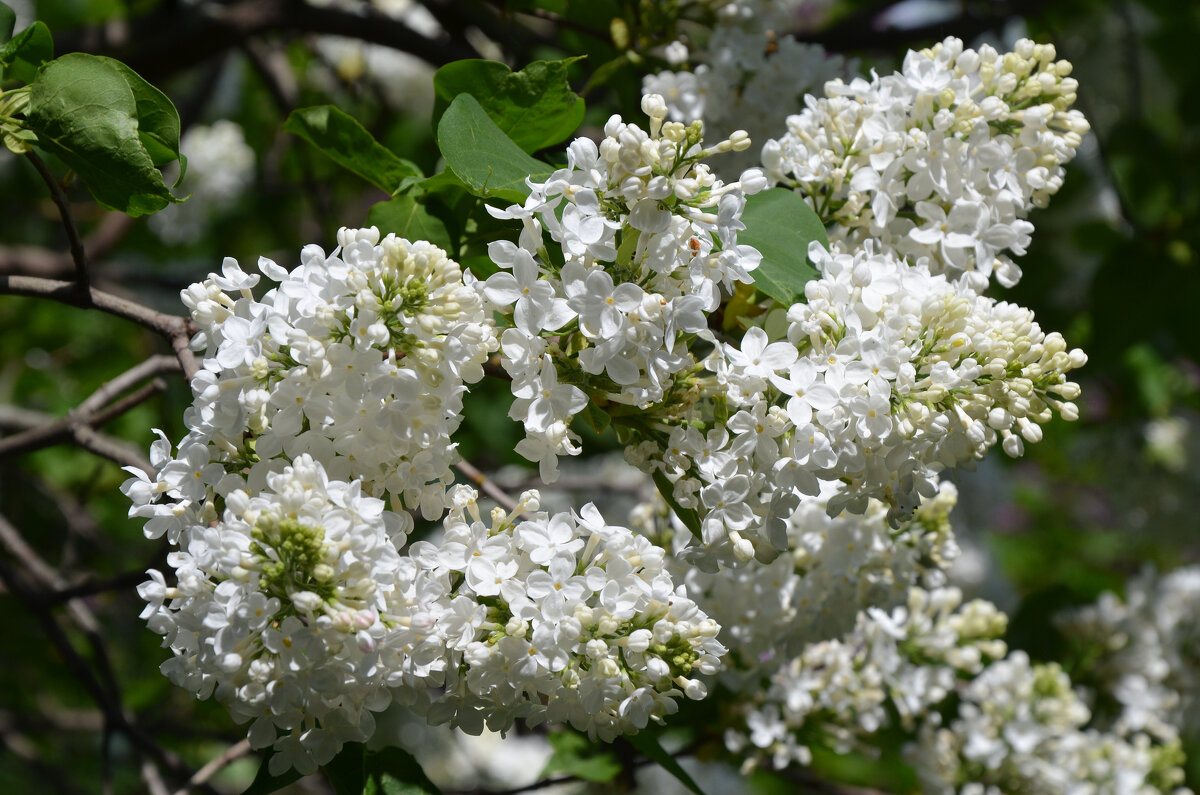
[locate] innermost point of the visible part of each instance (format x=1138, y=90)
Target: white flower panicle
x=889, y=375
x=842, y=691
x=278, y=611
x=902, y=374
x=744, y=76
x=834, y=568
x=1020, y=727
x=359, y=357
x=1141, y=652
x=941, y=161
x=644, y=245
x=1012, y=726
x=559, y=618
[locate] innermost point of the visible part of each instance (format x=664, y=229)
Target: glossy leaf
x=347, y=143
x=158, y=121
x=482, y=156
x=264, y=783
x=8, y=21
x=576, y=756
x=408, y=217
x=648, y=744
x=780, y=225
x=535, y=107
x=21, y=55
x=85, y=110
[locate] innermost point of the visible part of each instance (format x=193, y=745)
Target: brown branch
x=29, y=422
x=91, y=587
x=216, y=765
x=487, y=486
x=82, y=278
x=81, y=423
x=34, y=576
x=176, y=37
x=44, y=262
x=177, y=329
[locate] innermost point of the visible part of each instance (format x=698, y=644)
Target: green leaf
x=347, y=143
x=21, y=56
x=408, y=217
x=394, y=771
x=480, y=264
x=265, y=783
x=8, y=21
x=482, y=156
x=596, y=417
x=388, y=771
x=690, y=519
x=648, y=744
x=576, y=756
x=535, y=107
x=346, y=770
x=780, y=224
x=85, y=110
x=158, y=121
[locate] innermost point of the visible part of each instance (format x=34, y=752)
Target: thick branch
x=178, y=330
x=176, y=38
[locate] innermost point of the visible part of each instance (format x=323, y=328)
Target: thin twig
x=155, y=365
x=216, y=765
x=82, y=278
x=91, y=587
x=108, y=697
x=81, y=422
x=177, y=329
x=489, y=488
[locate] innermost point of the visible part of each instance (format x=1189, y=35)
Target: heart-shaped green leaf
x=780, y=224
x=482, y=156
x=88, y=111
x=535, y=107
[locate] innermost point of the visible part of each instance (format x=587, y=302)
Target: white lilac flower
x=1142, y=652
x=559, y=618
x=1019, y=727
x=279, y=609
x=894, y=376
x=940, y=162
x=744, y=76
x=834, y=567
x=643, y=244
x=928, y=376
x=359, y=358
x=891, y=666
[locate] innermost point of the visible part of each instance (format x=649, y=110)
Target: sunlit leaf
x=482, y=156
x=535, y=107
x=347, y=143
x=780, y=225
